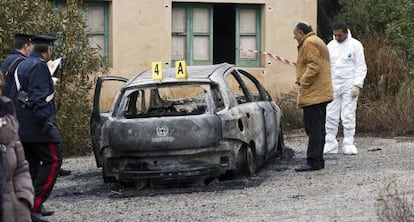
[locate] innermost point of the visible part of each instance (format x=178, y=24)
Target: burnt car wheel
x=246, y=161
x=280, y=143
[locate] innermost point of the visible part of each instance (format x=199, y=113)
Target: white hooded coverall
x=348, y=69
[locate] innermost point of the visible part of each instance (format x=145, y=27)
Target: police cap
x=44, y=39
x=23, y=37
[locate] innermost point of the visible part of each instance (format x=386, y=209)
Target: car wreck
x=218, y=121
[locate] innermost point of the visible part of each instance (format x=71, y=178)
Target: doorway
x=224, y=32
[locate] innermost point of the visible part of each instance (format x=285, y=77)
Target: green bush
x=79, y=61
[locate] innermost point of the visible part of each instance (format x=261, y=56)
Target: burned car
x=218, y=121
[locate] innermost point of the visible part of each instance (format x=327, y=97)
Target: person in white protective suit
x=348, y=71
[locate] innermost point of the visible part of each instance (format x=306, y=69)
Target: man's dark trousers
x=314, y=117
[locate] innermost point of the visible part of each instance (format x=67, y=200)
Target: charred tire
x=280, y=143
x=246, y=161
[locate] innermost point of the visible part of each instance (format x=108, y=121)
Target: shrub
x=386, y=103
x=386, y=69
x=292, y=117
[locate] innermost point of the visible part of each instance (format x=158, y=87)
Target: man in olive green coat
x=313, y=77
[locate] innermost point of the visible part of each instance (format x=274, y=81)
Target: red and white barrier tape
x=278, y=58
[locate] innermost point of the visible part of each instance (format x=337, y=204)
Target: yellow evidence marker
x=181, y=70
x=156, y=69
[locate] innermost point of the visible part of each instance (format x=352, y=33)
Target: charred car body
x=219, y=121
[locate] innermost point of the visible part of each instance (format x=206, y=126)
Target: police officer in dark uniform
x=38, y=130
x=22, y=48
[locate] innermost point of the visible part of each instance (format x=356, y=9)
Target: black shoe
x=37, y=217
x=46, y=212
x=62, y=172
x=307, y=167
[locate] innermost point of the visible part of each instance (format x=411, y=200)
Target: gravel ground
x=348, y=189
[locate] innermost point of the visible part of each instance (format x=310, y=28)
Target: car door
x=269, y=110
x=106, y=89
x=245, y=120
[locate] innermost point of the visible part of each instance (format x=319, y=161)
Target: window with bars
x=216, y=33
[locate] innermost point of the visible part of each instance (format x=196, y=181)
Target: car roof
x=200, y=73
